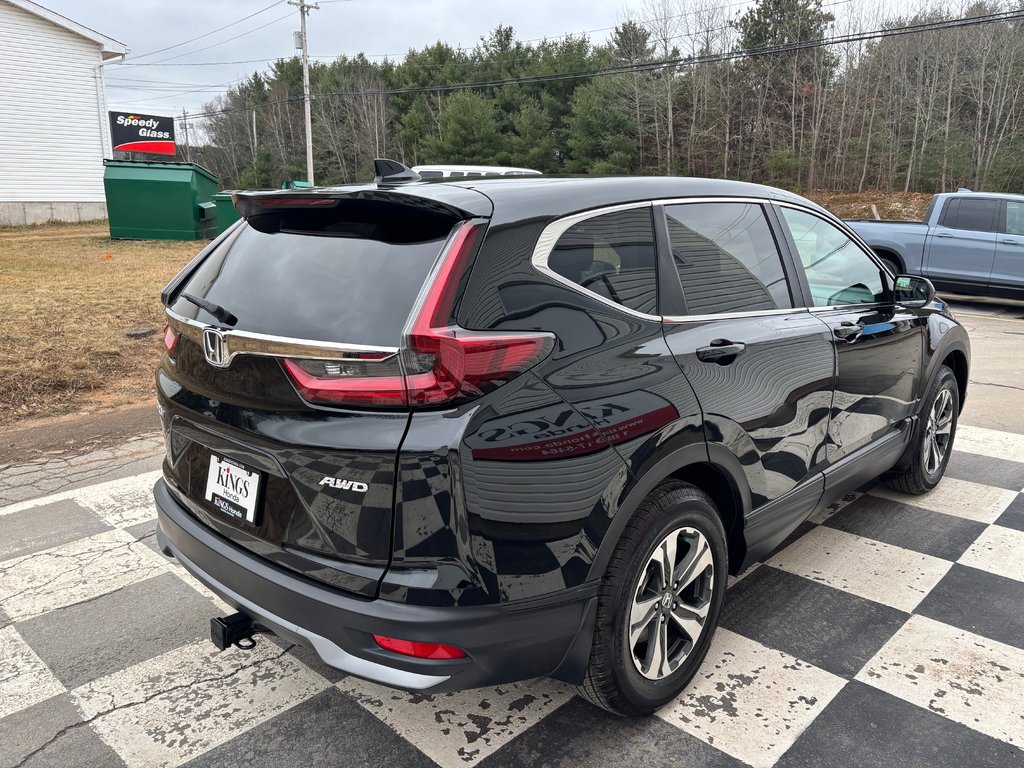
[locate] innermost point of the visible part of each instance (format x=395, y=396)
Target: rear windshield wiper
x=214, y=309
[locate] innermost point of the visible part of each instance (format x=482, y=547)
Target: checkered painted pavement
x=888, y=630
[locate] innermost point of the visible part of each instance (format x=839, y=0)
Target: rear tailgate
x=330, y=286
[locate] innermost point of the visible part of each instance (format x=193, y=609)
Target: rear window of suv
x=343, y=289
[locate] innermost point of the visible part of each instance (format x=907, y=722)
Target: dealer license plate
x=232, y=489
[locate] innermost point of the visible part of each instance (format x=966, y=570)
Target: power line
x=221, y=42
x=211, y=32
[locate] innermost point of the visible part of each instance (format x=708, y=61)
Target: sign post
x=132, y=132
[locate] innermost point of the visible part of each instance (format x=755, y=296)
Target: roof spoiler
x=392, y=172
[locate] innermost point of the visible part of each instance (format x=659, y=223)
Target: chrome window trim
x=549, y=237
x=265, y=345
x=731, y=315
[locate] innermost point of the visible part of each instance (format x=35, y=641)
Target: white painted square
x=822, y=515
x=989, y=442
x=460, y=729
x=871, y=569
x=962, y=676
x=122, y=503
x=960, y=498
x=24, y=677
x=70, y=573
x=99, y=490
x=998, y=550
x=751, y=701
x=169, y=709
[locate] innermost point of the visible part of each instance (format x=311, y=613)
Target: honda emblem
x=215, y=348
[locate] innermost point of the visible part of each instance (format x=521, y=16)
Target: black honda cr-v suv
x=452, y=434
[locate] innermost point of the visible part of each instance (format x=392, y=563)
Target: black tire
x=918, y=478
x=614, y=681
x=891, y=265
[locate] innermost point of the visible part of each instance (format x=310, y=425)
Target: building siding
x=52, y=134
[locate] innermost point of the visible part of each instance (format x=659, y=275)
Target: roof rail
x=392, y=172
x=964, y=189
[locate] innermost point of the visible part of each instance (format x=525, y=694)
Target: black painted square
x=827, y=627
x=91, y=639
x=1013, y=515
x=863, y=726
x=980, y=602
x=902, y=525
x=579, y=735
x=1000, y=473
x=326, y=731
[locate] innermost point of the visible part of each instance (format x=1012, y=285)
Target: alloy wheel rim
x=938, y=432
x=670, y=604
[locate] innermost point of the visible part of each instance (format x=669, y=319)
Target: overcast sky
x=374, y=27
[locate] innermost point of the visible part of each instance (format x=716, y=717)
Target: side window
x=977, y=215
x=948, y=217
x=838, y=271
x=612, y=255
x=726, y=258
x=1014, y=218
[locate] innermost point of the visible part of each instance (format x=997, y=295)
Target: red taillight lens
x=419, y=650
x=171, y=337
x=469, y=364
x=347, y=390
x=440, y=362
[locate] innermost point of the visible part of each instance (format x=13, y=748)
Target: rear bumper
x=543, y=638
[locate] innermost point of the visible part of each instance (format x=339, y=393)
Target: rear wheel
x=934, y=443
x=659, y=603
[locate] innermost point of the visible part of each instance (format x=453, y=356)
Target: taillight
x=171, y=337
x=439, y=362
x=419, y=650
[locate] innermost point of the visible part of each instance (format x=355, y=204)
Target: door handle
x=848, y=331
x=1008, y=241
x=721, y=351
x=943, y=234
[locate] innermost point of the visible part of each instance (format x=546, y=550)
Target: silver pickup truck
x=969, y=242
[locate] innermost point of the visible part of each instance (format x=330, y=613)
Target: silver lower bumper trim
x=331, y=653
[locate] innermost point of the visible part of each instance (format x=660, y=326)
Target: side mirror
x=912, y=291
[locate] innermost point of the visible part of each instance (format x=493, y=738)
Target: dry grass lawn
x=68, y=294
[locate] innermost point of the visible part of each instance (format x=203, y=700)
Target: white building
x=53, y=117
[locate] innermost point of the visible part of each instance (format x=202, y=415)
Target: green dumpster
x=159, y=201
x=226, y=213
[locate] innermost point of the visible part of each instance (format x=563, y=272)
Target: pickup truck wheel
x=935, y=433
x=891, y=265
x=659, y=602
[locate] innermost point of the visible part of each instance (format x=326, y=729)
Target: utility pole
x=304, y=9
x=188, y=147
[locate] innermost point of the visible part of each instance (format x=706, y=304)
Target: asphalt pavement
x=887, y=631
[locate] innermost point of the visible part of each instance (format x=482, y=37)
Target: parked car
x=969, y=242
x=460, y=171
x=466, y=433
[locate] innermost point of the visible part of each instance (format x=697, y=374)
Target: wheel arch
x=890, y=255
x=956, y=360
x=711, y=468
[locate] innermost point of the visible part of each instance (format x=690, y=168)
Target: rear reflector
x=171, y=337
x=440, y=362
x=419, y=650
